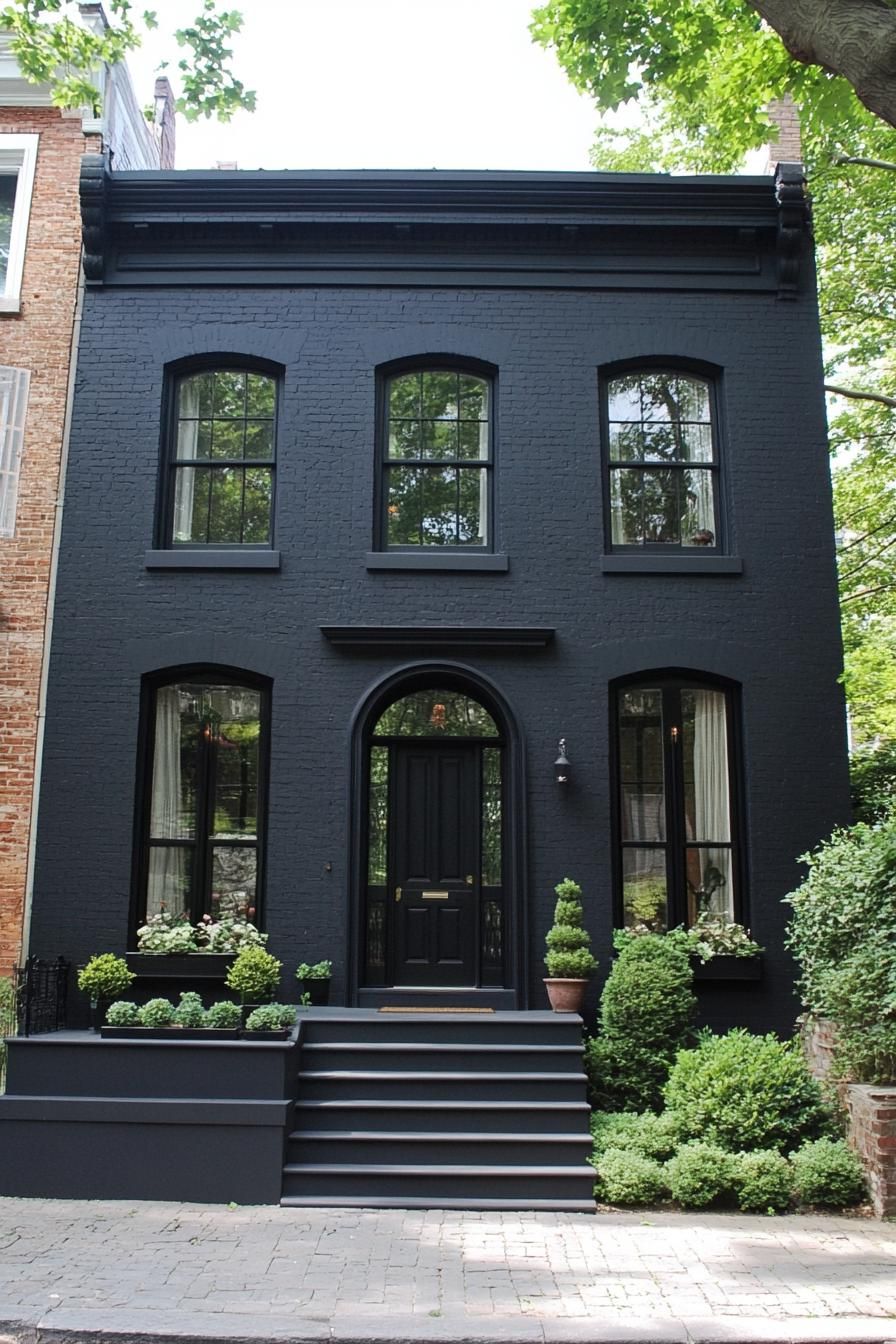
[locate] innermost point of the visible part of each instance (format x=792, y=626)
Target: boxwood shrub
x=829, y=1173
x=624, y=1177
x=745, y=1092
x=701, y=1174
x=763, y=1180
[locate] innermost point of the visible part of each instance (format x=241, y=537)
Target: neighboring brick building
x=40, y=268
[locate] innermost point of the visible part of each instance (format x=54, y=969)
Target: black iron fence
x=32, y=1001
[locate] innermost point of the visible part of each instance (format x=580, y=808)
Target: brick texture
x=38, y=339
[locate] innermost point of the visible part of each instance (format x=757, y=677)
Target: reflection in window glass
x=8, y=184
x=436, y=713
x=378, y=817
x=661, y=461
x=491, y=817
x=437, y=435
x=204, y=799
x=225, y=422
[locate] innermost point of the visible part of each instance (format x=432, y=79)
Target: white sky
x=384, y=84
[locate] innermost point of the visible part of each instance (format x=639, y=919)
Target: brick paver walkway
x=132, y=1271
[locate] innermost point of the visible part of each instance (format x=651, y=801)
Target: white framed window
x=18, y=155
x=13, y=401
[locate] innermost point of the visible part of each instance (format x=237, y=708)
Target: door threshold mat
x=435, y=1010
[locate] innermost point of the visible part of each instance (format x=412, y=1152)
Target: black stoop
x=483, y=1111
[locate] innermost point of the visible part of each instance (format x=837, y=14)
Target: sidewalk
x=74, y=1273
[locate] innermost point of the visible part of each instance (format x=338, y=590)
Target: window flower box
x=180, y=965
x=724, y=969
x=169, y=1033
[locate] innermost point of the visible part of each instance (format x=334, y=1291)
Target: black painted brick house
x=550, y=461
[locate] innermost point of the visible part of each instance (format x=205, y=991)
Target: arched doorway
x=437, y=862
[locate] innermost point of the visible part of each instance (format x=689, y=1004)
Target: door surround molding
x=470, y=681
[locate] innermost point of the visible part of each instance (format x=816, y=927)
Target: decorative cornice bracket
x=93, y=215
x=794, y=225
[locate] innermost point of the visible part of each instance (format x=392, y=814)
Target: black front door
x=435, y=864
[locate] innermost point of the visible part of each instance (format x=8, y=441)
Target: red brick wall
x=37, y=339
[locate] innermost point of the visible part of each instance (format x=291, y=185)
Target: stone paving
x=132, y=1271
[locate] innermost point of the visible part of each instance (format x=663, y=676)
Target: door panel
x=435, y=850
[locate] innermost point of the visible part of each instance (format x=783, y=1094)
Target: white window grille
x=13, y=402
x=18, y=156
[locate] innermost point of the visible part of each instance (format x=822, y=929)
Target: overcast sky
x=386, y=84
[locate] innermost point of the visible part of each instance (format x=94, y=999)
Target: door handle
x=469, y=879
x=398, y=893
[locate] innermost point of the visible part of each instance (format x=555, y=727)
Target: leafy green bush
x=872, y=777
x=8, y=1022
x=826, y=1172
x=189, y=1011
x=318, y=970
x=763, y=1180
x=224, y=1015
x=648, y=1134
x=254, y=975
x=646, y=1011
x=105, y=977
x=271, y=1017
x=624, y=1177
x=843, y=934
x=745, y=1092
x=123, y=1014
x=569, y=955
x=157, y=1013
x=700, y=1174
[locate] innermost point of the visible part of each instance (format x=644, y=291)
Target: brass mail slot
x=434, y=895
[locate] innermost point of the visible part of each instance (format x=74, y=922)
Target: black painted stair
x=480, y=1111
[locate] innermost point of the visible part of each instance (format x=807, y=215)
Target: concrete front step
x=364, y=1181
x=380, y=1148
x=471, y=1202
x=450, y=1057
x=484, y=1117
x=494, y=1029
x=436, y=1085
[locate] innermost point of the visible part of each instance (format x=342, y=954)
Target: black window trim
x=432, y=363
x=217, y=361
x=712, y=376
x=217, y=675
x=676, y=680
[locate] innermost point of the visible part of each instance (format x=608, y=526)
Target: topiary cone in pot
x=569, y=958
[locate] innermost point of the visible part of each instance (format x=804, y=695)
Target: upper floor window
x=18, y=155
x=436, y=459
x=662, y=456
x=221, y=459
x=13, y=401
x=203, y=819
x=677, y=842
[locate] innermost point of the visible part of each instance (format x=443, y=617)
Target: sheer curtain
x=711, y=811
x=187, y=447
x=167, y=864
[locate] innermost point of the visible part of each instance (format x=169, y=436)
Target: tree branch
x=866, y=163
x=861, y=396
x=852, y=38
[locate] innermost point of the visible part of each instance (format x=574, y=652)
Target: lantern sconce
x=562, y=768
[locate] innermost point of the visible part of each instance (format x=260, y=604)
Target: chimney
x=787, y=147
x=164, y=121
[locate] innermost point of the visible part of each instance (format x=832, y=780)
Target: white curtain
x=711, y=809
x=168, y=864
x=187, y=447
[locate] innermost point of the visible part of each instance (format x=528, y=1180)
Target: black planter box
x=276, y=1034
x=727, y=969
x=170, y=1033
x=180, y=965
x=318, y=991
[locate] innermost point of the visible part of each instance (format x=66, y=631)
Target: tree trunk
x=852, y=38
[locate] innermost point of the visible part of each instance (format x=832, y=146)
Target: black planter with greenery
x=314, y=981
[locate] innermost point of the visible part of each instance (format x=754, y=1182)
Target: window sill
x=235, y=559
x=671, y=564
x=464, y=560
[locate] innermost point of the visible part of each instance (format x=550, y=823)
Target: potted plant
x=169, y=946
x=105, y=977
x=314, y=980
x=722, y=950
x=569, y=959
x=254, y=976
x=270, y=1022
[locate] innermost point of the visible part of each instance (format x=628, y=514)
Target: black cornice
x=159, y=226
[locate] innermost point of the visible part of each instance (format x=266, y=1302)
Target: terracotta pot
x=566, y=996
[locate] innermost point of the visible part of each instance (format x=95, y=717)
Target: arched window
x=662, y=461
x=436, y=453
x=204, y=804
x=220, y=458
x=676, y=813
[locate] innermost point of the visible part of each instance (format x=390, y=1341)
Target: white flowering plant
x=713, y=935
x=168, y=933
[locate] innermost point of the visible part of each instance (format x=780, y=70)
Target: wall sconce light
x=562, y=769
